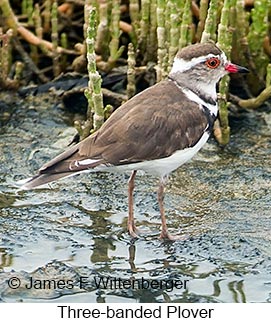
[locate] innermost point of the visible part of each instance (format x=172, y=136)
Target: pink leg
x=160, y=195
x=164, y=232
x=131, y=220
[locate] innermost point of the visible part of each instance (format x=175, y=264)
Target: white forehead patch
x=180, y=65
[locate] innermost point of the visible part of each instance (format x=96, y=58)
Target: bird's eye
x=212, y=62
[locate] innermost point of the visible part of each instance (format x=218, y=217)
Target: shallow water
x=75, y=231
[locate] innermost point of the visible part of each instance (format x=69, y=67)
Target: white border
x=220, y=313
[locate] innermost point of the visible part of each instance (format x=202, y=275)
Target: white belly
x=164, y=166
x=158, y=167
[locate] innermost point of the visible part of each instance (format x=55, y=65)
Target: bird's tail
x=40, y=179
x=68, y=163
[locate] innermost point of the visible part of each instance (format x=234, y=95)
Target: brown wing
x=153, y=124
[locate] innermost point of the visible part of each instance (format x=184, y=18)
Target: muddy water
x=74, y=231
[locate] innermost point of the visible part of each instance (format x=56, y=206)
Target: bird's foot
x=133, y=231
x=167, y=236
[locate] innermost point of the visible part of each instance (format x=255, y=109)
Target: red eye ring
x=212, y=62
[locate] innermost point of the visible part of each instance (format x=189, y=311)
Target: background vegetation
x=41, y=40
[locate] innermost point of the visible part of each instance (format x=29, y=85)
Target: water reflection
x=5, y=258
x=237, y=289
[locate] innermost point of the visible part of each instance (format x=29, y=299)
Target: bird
x=156, y=131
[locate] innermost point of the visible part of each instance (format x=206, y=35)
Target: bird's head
x=202, y=65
